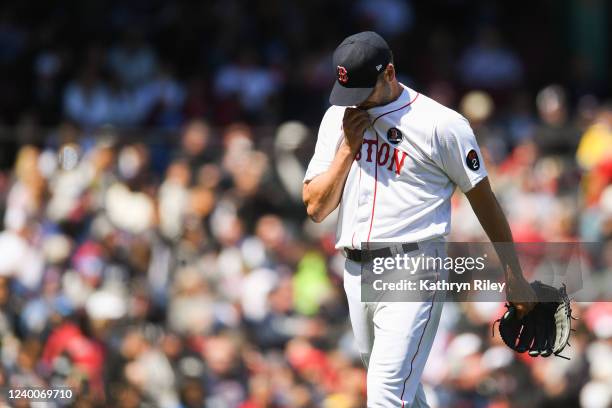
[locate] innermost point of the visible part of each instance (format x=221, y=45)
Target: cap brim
x=343, y=96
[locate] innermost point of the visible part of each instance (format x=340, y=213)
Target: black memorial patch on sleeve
x=472, y=160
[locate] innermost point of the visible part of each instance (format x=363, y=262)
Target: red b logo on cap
x=342, y=74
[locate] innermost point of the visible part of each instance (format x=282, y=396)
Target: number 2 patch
x=472, y=160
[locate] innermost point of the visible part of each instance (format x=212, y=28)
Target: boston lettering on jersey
x=388, y=156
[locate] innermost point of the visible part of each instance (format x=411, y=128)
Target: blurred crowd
x=158, y=63
x=155, y=249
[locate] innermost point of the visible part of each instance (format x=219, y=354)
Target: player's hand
x=354, y=124
x=520, y=294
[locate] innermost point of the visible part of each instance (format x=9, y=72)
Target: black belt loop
x=365, y=255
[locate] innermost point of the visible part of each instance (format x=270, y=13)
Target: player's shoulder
x=440, y=118
x=331, y=124
x=333, y=116
x=439, y=115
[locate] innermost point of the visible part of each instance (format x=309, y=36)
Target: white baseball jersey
x=399, y=187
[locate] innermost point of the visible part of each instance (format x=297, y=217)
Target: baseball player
x=391, y=158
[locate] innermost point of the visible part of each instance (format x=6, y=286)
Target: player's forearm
x=323, y=193
x=494, y=222
x=498, y=230
x=496, y=226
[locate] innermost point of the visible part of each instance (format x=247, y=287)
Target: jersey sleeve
x=456, y=152
x=328, y=141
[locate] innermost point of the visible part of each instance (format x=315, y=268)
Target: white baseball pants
x=394, y=339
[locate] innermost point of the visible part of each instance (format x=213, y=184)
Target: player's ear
x=390, y=72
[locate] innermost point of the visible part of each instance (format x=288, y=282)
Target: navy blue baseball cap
x=358, y=61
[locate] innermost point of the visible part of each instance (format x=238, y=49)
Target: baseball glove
x=545, y=330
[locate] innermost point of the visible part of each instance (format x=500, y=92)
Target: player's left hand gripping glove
x=545, y=330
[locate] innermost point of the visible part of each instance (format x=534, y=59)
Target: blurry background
x=154, y=248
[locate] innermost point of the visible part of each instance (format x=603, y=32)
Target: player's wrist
x=347, y=150
x=514, y=274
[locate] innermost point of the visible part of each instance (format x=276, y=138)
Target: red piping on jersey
x=358, y=192
x=395, y=110
x=419, y=345
x=375, y=188
x=376, y=164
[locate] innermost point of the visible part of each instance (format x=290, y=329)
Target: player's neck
x=396, y=91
